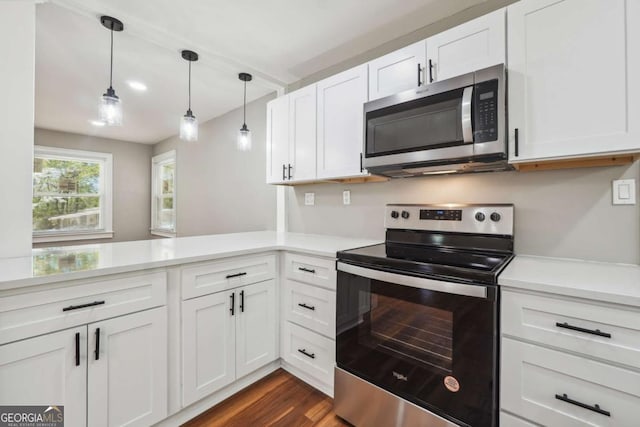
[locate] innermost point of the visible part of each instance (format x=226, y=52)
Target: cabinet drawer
x=311, y=307
x=605, y=332
x=508, y=420
x=312, y=270
x=36, y=313
x=557, y=389
x=230, y=273
x=319, y=359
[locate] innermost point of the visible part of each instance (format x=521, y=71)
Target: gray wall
x=564, y=213
x=131, y=182
x=220, y=189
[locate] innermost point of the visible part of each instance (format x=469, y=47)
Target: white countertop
x=607, y=282
x=49, y=265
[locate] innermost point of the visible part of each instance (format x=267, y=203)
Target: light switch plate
x=624, y=192
x=346, y=197
x=309, y=199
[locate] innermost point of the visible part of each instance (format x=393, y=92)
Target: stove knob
x=495, y=217
x=405, y=214
x=480, y=216
x=394, y=214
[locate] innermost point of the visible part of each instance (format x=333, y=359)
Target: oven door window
x=431, y=122
x=435, y=349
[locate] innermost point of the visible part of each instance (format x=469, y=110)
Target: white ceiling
x=279, y=41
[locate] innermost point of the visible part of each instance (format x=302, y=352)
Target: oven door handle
x=467, y=127
x=478, y=291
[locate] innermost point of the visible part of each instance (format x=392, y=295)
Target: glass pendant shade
x=189, y=127
x=110, y=110
x=244, y=139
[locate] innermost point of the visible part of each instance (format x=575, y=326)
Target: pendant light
x=244, y=134
x=110, y=111
x=189, y=123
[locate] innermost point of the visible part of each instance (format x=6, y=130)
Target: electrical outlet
x=624, y=192
x=309, y=199
x=346, y=197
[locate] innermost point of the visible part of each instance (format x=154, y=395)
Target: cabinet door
x=341, y=101
x=302, y=133
x=397, y=71
x=256, y=327
x=277, y=139
x=474, y=45
x=127, y=375
x=208, y=345
x=47, y=370
x=574, y=70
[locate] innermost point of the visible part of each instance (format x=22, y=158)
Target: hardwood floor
x=280, y=399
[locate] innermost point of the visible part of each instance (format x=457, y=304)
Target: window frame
x=106, y=194
x=157, y=162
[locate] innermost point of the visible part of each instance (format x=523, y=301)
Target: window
x=71, y=195
x=163, y=194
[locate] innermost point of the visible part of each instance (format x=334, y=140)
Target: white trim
x=157, y=161
x=106, y=194
x=43, y=238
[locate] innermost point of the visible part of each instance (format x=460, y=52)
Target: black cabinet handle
x=233, y=303
x=229, y=276
x=241, y=301
x=430, y=71
x=308, y=270
x=97, y=352
x=308, y=307
x=76, y=307
x=284, y=171
x=289, y=167
x=361, y=165
x=419, y=72
x=594, y=408
x=597, y=332
x=517, y=148
x=77, y=348
x=304, y=351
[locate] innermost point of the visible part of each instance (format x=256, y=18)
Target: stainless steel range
x=417, y=318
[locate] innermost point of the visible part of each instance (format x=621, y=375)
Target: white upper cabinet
x=574, y=78
x=474, y=45
x=302, y=134
x=397, y=71
x=341, y=101
x=277, y=140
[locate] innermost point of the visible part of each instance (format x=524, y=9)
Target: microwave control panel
x=485, y=127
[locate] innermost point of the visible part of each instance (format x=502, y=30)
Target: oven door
x=430, y=342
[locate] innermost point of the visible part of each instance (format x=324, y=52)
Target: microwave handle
x=467, y=127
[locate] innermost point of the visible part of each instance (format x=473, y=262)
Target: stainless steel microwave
x=452, y=126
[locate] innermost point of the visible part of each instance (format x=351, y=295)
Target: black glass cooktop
x=443, y=263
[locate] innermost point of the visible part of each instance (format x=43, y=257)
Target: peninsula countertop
x=48, y=265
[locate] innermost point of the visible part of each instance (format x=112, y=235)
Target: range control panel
x=483, y=219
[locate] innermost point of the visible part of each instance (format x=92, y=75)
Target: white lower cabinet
x=225, y=336
x=310, y=352
x=108, y=373
x=47, y=370
x=127, y=370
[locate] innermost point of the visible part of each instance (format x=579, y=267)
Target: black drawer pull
x=77, y=307
x=229, y=276
x=597, y=332
x=77, y=348
x=430, y=71
x=308, y=307
x=304, y=351
x=233, y=303
x=308, y=270
x=594, y=408
x=97, y=343
x=241, y=301
x=517, y=143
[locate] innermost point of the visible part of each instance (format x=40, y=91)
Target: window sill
x=163, y=233
x=63, y=237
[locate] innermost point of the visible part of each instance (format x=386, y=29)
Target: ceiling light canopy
x=188, y=122
x=110, y=110
x=244, y=134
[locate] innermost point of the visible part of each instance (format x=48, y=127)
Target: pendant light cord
x=111, y=64
x=189, y=85
x=244, y=113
